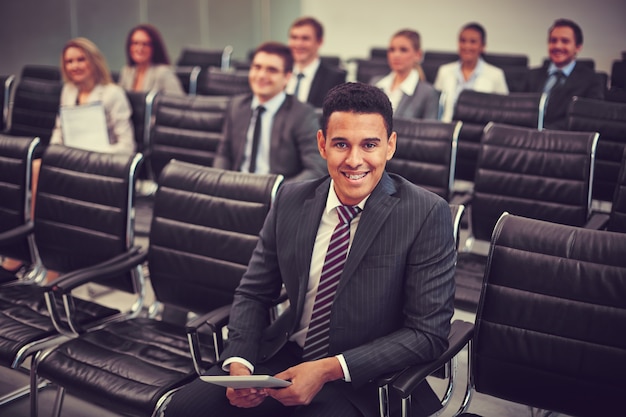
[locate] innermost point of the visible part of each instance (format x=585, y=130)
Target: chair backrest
x=379, y=53
x=608, y=119
x=368, y=68
x=550, y=323
x=506, y=60
x=204, y=58
x=187, y=128
x=205, y=226
x=16, y=156
x=6, y=88
x=426, y=153
x=41, y=72
x=618, y=74
x=617, y=218
x=515, y=78
x=85, y=205
x=476, y=109
x=141, y=104
x=35, y=107
x=215, y=82
x=188, y=77
x=544, y=175
x=433, y=60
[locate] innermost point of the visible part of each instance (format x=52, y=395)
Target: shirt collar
x=567, y=70
x=272, y=105
x=407, y=87
x=332, y=201
x=480, y=64
x=308, y=71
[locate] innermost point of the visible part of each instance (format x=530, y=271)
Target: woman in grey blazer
x=148, y=66
x=410, y=94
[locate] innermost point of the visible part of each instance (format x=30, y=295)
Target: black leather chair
x=433, y=60
x=205, y=226
x=204, y=58
x=608, y=119
x=83, y=227
x=188, y=76
x=426, y=153
x=545, y=175
x=615, y=220
x=216, y=82
x=35, y=107
x=476, y=109
x=41, y=72
x=186, y=128
x=506, y=60
x=550, y=324
x=142, y=105
x=378, y=53
x=7, y=82
x=366, y=69
x=16, y=156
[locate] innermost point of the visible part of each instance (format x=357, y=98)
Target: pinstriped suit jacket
x=395, y=299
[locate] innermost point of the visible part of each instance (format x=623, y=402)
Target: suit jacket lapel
x=377, y=209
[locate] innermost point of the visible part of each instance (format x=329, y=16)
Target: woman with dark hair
x=148, y=66
x=410, y=94
x=470, y=72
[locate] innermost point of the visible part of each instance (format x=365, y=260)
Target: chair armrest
x=19, y=232
x=98, y=273
x=215, y=320
x=464, y=199
x=461, y=333
x=597, y=221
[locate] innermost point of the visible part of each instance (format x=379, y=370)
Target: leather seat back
x=538, y=174
x=617, y=218
x=550, y=323
x=35, y=107
x=608, y=119
x=205, y=225
x=215, y=82
x=426, y=153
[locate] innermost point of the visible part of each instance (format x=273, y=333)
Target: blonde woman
x=410, y=94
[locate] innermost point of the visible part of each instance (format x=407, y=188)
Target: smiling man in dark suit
x=564, y=78
x=311, y=77
x=283, y=140
x=393, y=294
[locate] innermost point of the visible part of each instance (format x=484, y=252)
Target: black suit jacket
x=395, y=297
x=325, y=78
x=293, y=148
x=582, y=82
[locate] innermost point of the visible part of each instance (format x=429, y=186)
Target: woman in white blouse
x=470, y=72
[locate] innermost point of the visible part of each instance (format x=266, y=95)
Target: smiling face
x=304, y=44
x=562, y=46
x=402, y=55
x=471, y=46
x=141, y=48
x=356, y=149
x=267, y=75
x=77, y=66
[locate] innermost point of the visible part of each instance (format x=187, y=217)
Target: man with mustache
x=563, y=78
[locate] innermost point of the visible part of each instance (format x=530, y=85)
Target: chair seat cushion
x=126, y=366
x=24, y=318
x=470, y=269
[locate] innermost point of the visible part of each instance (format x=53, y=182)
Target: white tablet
x=249, y=381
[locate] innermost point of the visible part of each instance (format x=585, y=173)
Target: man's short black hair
x=277, y=48
x=578, y=32
x=357, y=98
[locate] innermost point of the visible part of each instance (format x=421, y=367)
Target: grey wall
x=34, y=31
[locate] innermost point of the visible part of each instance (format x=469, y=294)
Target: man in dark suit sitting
x=311, y=78
x=563, y=79
x=366, y=259
x=269, y=131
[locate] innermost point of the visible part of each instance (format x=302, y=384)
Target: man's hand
x=307, y=379
x=245, y=397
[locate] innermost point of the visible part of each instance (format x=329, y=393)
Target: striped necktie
x=317, y=337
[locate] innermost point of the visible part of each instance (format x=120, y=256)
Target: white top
x=305, y=82
x=486, y=79
x=117, y=111
x=407, y=87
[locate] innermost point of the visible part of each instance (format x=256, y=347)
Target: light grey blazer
x=158, y=77
x=422, y=104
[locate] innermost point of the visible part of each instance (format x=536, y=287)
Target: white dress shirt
x=407, y=87
x=306, y=81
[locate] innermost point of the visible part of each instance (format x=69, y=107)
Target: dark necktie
x=256, y=138
x=299, y=76
x=317, y=337
x=559, y=80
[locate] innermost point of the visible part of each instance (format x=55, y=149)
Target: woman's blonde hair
x=416, y=41
x=99, y=66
